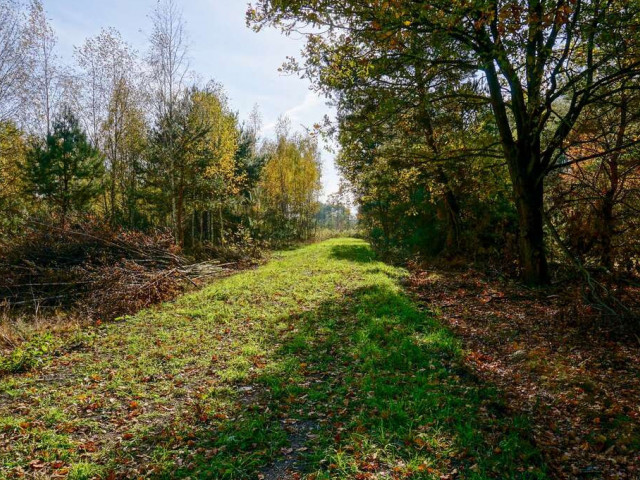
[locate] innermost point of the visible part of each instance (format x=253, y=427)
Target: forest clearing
x=318, y=364
x=318, y=359
x=326, y=239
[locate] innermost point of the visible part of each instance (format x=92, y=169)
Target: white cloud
x=310, y=111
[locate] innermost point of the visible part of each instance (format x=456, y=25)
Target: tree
x=108, y=64
x=335, y=212
x=249, y=158
x=532, y=57
x=124, y=142
x=595, y=195
x=46, y=83
x=13, y=59
x=110, y=103
x=220, y=182
x=168, y=55
x=66, y=171
x=168, y=59
x=290, y=185
x=12, y=152
x=192, y=164
x=421, y=131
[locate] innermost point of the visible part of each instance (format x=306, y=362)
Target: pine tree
x=66, y=171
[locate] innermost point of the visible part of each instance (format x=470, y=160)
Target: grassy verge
x=316, y=362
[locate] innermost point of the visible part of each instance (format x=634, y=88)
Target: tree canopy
x=533, y=66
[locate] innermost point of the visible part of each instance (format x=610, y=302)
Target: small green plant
x=27, y=356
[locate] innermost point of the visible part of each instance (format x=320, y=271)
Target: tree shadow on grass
x=362, y=388
x=354, y=253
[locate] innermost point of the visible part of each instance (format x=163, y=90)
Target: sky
x=222, y=48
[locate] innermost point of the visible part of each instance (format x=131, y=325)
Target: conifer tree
x=66, y=171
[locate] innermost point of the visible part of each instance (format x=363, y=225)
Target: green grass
x=320, y=348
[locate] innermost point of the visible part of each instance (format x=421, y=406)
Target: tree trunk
x=112, y=194
x=221, y=225
x=180, y=217
x=607, y=217
x=194, y=219
x=453, y=215
x=209, y=226
x=201, y=232
x=451, y=205
x=529, y=197
x=609, y=200
x=607, y=232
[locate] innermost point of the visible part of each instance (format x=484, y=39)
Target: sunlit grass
x=216, y=384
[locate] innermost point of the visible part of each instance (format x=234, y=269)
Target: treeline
x=504, y=129
x=134, y=140
x=335, y=214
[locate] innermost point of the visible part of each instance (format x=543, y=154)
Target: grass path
x=316, y=365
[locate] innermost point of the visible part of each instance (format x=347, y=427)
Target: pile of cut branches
x=89, y=267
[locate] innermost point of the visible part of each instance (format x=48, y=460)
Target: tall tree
x=13, y=59
x=249, y=157
x=107, y=63
x=533, y=56
x=168, y=59
x=168, y=55
x=290, y=184
x=110, y=96
x=595, y=196
x=45, y=85
x=220, y=182
x=124, y=141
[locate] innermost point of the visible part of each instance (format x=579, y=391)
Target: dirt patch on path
x=290, y=467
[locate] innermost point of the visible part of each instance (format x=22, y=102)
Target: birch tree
x=106, y=62
x=13, y=58
x=168, y=60
x=44, y=88
x=109, y=99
